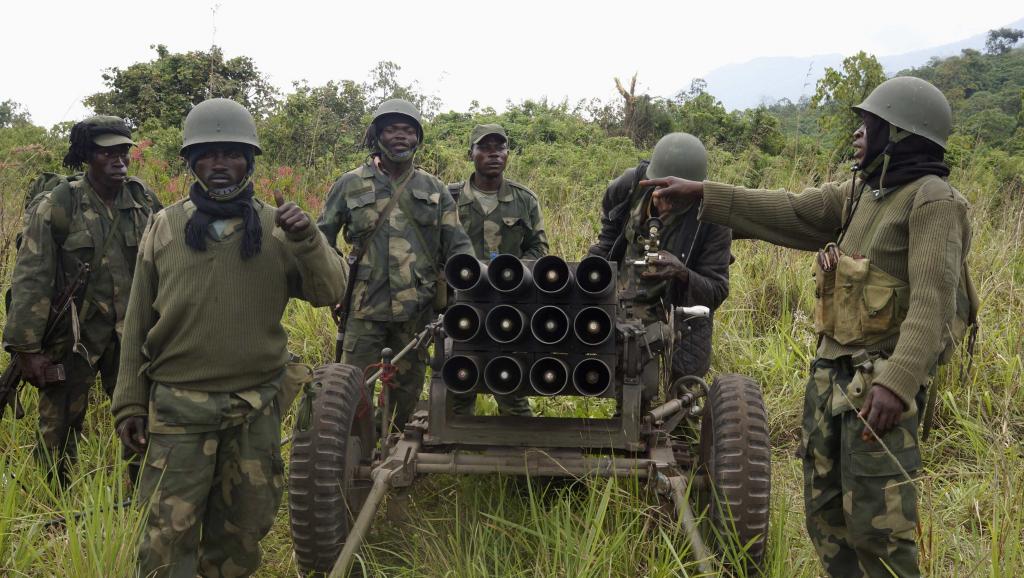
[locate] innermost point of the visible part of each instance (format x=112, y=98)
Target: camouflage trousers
x=860, y=502
x=212, y=496
x=62, y=408
x=364, y=340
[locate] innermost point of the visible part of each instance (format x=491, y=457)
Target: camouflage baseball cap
x=108, y=131
x=482, y=130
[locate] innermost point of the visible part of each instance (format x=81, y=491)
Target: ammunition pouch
x=858, y=303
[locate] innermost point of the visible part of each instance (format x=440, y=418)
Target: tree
x=13, y=114
x=316, y=123
x=165, y=89
x=384, y=84
x=644, y=119
x=1002, y=40
x=837, y=91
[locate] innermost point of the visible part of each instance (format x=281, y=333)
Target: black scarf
x=208, y=210
x=910, y=159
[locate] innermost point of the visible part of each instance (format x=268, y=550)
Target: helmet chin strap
x=225, y=193
x=397, y=157
x=895, y=136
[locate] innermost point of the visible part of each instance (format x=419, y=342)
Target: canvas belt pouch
x=865, y=367
x=858, y=303
x=296, y=375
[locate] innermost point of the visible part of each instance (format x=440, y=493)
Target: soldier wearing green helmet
x=92, y=219
x=500, y=216
x=693, y=262
x=893, y=299
x=206, y=376
x=402, y=225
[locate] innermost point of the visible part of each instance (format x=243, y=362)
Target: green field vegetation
x=972, y=519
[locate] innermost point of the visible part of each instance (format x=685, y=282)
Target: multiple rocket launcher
x=544, y=327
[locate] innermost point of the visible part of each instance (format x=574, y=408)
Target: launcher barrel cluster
x=544, y=327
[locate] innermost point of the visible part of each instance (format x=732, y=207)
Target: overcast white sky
x=52, y=53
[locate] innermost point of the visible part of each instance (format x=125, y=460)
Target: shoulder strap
x=361, y=245
x=62, y=207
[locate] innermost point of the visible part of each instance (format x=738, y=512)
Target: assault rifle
x=11, y=378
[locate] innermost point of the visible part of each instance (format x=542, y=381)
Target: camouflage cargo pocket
x=897, y=452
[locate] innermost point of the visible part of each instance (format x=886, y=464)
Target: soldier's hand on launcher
x=289, y=216
x=666, y=266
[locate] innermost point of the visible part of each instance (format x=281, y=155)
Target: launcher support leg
x=381, y=485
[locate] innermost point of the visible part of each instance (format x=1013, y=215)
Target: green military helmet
x=679, y=154
x=219, y=120
x=911, y=104
x=402, y=107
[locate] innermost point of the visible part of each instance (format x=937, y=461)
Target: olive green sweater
x=921, y=236
x=211, y=321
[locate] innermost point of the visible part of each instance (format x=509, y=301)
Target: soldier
x=95, y=219
x=206, y=376
x=403, y=226
x=500, y=216
x=692, y=267
x=891, y=299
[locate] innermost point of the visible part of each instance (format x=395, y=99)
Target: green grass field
x=971, y=486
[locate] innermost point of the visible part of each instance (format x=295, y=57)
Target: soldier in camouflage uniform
x=205, y=375
x=892, y=297
x=501, y=217
x=693, y=262
x=398, y=287
x=102, y=226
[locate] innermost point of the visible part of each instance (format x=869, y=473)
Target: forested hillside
x=973, y=477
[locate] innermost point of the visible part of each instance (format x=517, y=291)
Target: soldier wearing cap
x=892, y=298
x=95, y=218
x=403, y=226
x=500, y=216
x=206, y=375
x=693, y=261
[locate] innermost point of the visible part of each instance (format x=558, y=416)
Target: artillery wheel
x=325, y=493
x=735, y=455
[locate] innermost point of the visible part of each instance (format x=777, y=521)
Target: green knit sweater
x=211, y=321
x=921, y=236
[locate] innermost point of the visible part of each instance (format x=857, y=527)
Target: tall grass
x=972, y=522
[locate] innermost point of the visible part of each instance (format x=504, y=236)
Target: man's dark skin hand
x=882, y=410
x=289, y=216
x=33, y=367
x=674, y=190
x=668, y=267
x=132, y=433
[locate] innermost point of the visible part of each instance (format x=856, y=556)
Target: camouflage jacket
x=34, y=281
x=515, y=227
x=398, y=274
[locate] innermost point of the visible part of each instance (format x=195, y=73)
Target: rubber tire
x=324, y=494
x=735, y=455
